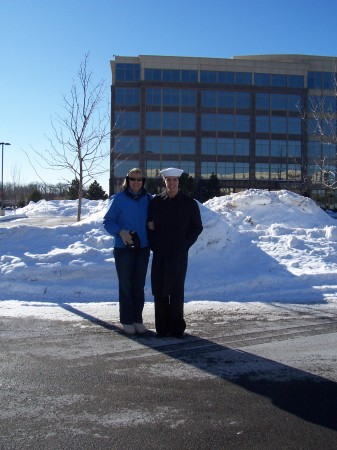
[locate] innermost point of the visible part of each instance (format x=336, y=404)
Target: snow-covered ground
x=258, y=249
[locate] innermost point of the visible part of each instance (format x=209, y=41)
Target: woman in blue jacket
x=126, y=220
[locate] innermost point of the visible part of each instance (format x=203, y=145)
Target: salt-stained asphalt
x=248, y=383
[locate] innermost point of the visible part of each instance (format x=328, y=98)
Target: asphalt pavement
x=243, y=383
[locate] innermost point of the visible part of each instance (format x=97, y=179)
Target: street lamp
x=2, y=174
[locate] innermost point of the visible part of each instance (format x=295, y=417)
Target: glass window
x=226, y=122
x=294, y=125
x=208, y=76
x=262, y=171
x=187, y=145
x=123, y=166
x=296, y=81
x=278, y=171
x=188, y=167
x=153, y=96
x=278, y=80
x=170, y=120
x=226, y=99
x=226, y=77
x=189, y=76
x=170, y=145
x=242, y=100
x=207, y=168
x=262, y=124
x=171, y=75
x=241, y=170
x=209, y=146
x=153, y=120
x=208, y=122
x=294, y=149
x=188, y=97
x=242, y=147
x=126, y=144
x=243, y=78
x=127, y=72
x=242, y=123
x=278, y=102
x=187, y=121
x=294, y=172
x=126, y=120
x=171, y=97
x=278, y=148
x=262, y=101
x=294, y=102
x=127, y=96
x=153, y=144
x=152, y=169
x=278, y=124
x=262, y=79
x=209, y=99
x=152, y=74
x=262, y=147
x=314, y=80
x=328, y=80
x=314, y=150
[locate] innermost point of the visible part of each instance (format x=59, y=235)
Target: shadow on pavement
x=309, y=397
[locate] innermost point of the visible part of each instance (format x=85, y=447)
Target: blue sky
x=42, y=43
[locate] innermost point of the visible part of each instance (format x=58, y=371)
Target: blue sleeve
x=110, y=220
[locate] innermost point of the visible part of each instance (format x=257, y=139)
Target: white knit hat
x=171, y=172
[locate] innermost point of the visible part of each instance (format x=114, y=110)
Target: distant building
x=238, y=118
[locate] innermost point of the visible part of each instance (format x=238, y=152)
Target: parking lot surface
x=231, y=383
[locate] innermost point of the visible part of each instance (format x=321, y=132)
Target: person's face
x=136, y=181
x=172, y=186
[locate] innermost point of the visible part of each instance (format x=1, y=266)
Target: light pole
x=2, y=176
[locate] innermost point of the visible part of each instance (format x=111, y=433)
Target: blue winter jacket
x=126, y=213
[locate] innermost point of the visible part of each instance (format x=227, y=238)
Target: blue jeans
x=131, y=267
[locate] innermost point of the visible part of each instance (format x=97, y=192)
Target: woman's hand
x=126, y=237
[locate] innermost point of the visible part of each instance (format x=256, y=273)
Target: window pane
x=262, y=79
x=242, y=100
x=171, y=97
x=278, y=124
x=262, y=147
x=188, y=97
x=153, y=96
x=152, y=74
x=127, y=120
x=314, y=80
x=278, y=80
x=242, y=123
x=295, y=81
x=127, y=96
x=126, y=144
x=294, y=102
x=278, y=102
x=243, y=78
x=294, y=125
x=209, y=99
x=262, y=101
x=153, y=120
x=262, y=124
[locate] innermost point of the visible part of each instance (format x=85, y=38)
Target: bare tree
x=80, y=133
x=320, y=117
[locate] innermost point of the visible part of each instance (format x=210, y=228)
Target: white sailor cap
x=171, y=172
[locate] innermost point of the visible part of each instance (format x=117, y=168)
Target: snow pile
x=256, y=246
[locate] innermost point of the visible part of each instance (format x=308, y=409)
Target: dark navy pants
x=131, y=267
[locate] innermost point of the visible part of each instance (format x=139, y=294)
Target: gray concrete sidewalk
x=247, y=384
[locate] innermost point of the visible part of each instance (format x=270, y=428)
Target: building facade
x=241, y=119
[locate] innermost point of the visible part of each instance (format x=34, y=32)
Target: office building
x=240, y=118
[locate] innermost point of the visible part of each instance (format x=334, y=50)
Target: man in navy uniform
x=174, y=224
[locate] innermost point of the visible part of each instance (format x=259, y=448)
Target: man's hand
x=126, y=237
